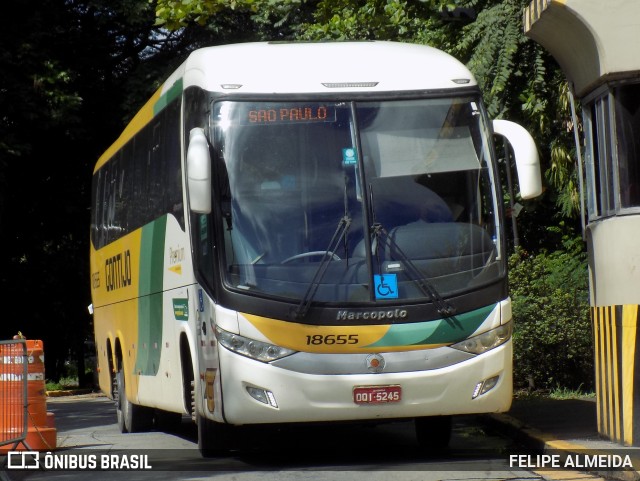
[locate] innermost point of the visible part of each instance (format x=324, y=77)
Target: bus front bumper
x=257, y=393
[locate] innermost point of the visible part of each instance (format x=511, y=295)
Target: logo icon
x=375, y=363
x=23, y=460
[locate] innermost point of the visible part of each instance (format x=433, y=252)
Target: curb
x=536, y=440
x=69, y=392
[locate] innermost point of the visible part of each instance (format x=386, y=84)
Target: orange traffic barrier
x=41, y=432
x=13, y=392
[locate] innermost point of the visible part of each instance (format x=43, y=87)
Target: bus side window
x=96, y=211
x=140, y=197
x=205, y=249
x=171, y=142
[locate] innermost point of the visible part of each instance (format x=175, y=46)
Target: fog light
x=477, y=389
x=262, y=395
x=485, y=386
x=489, y=384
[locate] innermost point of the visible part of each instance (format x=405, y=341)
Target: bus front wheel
x=213, y=438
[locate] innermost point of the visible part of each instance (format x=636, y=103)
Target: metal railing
x=14, y=416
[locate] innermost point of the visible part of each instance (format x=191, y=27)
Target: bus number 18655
x=330, y=339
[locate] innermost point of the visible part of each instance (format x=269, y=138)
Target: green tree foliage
x=553, y=344
x=177, y=14
x=40, y=216
x=73, y=71
x=370, y=20
x=254, y=19
x=497, y=53
x=520, y=81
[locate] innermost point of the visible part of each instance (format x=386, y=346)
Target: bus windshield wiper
x=382, y=238
x=327, y=256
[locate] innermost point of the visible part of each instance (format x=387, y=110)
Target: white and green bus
x=293, y=233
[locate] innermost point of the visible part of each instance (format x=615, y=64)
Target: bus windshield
x=352, y=202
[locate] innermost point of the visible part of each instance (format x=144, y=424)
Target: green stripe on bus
x=165, y=99
x=150, y=302
x=442, y=331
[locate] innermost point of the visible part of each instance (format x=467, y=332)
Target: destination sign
x=289, y=114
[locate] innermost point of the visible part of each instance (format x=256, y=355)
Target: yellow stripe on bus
x=350, y=339
x=321, y=339
x=115, y=270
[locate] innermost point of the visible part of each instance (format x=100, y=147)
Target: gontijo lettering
x=117, y=271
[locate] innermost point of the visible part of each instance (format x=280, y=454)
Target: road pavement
x=531, y=442
x=87, y=431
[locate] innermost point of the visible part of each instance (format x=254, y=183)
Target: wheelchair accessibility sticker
x=386, y=286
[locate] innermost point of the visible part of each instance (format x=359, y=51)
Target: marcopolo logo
x=344, y=315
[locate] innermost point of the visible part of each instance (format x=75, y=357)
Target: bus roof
x=324, y=67
x=303, y=67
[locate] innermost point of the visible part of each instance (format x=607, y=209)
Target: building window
x=627, y=109
x=612, y=138
x=600, y=157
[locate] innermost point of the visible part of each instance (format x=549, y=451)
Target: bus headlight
x=487, y=340
x=258, y=350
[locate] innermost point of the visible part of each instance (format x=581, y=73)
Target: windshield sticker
x=386, y=286
x=349, y=156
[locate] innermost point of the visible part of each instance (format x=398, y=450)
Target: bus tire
x=131, y=417
x=433, y=433
x=212, y=438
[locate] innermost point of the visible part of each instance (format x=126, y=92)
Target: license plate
x=377, y=394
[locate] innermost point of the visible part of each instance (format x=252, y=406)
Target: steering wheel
x=310, y=254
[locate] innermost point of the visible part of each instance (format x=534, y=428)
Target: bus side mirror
x=526, y=155
x=199, y=172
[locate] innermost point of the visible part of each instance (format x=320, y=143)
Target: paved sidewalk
x=568, y=428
